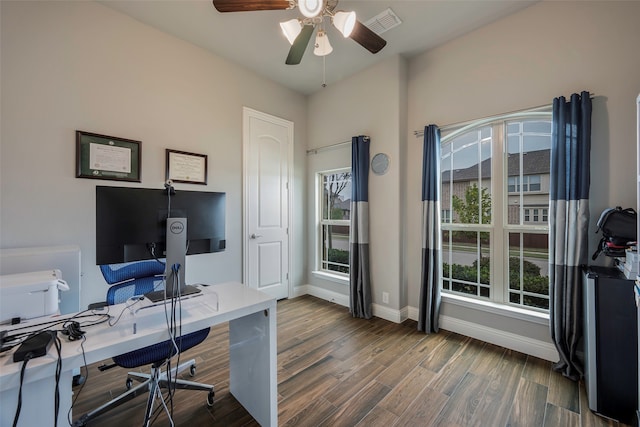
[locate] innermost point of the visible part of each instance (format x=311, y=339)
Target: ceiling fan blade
x=367, y=38
x=299, y=45
x=250, y=5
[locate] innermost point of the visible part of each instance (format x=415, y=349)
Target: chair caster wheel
x=192, y=370
x=128, y=383
x=210, y=398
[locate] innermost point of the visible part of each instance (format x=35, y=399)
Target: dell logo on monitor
x=176, y=227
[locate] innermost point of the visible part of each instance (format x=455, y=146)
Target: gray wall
x=80, y=65
x=370, y=103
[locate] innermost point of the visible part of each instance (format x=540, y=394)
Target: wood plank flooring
x=334, y=370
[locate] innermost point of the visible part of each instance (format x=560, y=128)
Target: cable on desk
x=128, y=306
x=21, y=336
x=58, y=344
x=86, y=378
x=19, y=407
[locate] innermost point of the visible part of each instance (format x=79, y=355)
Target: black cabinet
x=611, y=344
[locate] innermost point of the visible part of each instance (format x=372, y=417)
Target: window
x=495, y=186
x=529, y=183
x=335, y=215
x=446, y=215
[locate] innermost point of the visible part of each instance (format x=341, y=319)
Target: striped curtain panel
x=568, y=225
x=429, y=304
x=359, y=277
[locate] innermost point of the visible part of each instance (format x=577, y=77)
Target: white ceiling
x=254, y=39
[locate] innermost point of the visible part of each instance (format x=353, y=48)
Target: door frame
x=247, y=114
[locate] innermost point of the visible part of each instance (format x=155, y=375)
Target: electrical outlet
x=385, y=297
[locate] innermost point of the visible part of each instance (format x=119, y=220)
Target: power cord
x=36, y=346
x=86, y=378
x=58, y=346
x=72, y=330
x=27, y=357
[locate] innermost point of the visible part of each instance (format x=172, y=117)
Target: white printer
x=28, y=295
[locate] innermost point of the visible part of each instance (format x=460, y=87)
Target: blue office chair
x=129, y=280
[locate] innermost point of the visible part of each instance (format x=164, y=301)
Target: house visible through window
x=335, y=215
x=495, y=186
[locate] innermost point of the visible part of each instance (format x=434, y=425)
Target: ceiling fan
x=299, y=30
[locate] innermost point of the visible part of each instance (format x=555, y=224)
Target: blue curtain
x=429, y=304
x=359, y=278
x=568, y=225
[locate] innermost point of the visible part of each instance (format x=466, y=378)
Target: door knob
x=255, y=236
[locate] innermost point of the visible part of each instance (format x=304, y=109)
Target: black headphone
x=72, y=329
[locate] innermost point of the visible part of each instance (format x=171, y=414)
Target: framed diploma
x=186, y=167
x=107, y=157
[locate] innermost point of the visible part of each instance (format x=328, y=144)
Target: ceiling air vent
x=383, y=22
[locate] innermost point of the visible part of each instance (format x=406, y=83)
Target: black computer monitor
x=131, y=222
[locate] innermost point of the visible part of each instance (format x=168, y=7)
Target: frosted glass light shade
x=291, y=29
x=322, y=47
x=344, y=22
x=310, y=8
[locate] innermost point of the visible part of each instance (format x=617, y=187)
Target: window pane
x=336, y=196
x=536, y=142
x=466, y=262
x=513, y=127
x=528, y=160
x=335, y=248
x=466, y=177
x=529, y=269
x=533, y=126
x=513, y=144
x=446, y=254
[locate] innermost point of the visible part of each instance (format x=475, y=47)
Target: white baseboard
x=542, y=349
x=322, y=293
x=396, y=316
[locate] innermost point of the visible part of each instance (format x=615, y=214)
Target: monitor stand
x=176, y=254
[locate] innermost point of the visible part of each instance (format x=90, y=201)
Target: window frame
x=322, y=222
x=499, y=229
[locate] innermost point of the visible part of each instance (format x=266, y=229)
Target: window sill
x=495, y=308
x=337, y=278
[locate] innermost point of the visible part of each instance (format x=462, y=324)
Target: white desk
x=252, y=352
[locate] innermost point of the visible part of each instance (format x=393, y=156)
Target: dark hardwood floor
x=334, y=370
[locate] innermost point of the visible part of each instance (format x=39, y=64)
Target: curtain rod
x=419, y=133
x=331, y=147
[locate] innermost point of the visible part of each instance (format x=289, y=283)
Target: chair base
x=152, y=383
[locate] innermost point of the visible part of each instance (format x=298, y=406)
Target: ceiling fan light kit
x=322, y=46
x=344, y=22
x=291, y=29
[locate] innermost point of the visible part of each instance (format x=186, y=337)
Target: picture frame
x=189, y=168
x=107, y=157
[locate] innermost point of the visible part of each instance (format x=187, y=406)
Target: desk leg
x=38, y=402
x=254, y=375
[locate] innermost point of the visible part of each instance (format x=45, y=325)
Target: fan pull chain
x=324, y=72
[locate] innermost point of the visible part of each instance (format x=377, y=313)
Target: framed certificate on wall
x=107, y=157
x=186, y=167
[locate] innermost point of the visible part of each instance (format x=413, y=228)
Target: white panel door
x=267, y=144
